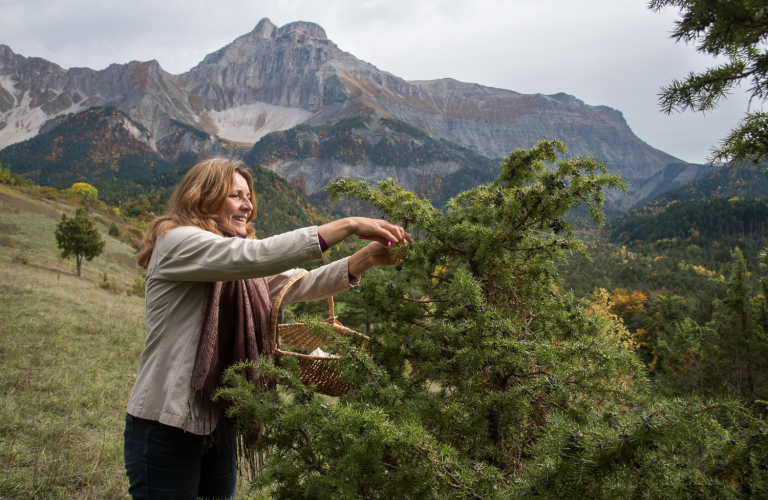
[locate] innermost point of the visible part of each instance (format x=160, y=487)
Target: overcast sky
x=605, y=52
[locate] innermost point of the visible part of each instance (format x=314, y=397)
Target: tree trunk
x=79, y=259
x=496, y=428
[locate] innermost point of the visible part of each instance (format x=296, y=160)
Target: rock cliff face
x=275, y=78
x=372, y=149
x=35, y=90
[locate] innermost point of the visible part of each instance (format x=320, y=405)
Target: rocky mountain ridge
x=372, y=149
x=275, y=78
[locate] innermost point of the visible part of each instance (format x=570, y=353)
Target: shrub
x=483, y=378
x=114, y=230
x=110, y=284
x=22, y=257
x=137, y=288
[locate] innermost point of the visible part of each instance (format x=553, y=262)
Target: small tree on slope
x=485, y=380
x=79, y=237
x=83, y=194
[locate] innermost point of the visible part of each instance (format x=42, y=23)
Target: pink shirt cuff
x=324, y=248
x=323, y=244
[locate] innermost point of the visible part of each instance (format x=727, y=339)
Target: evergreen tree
x=663, y=316
x=483, y=379
x=79, y=237
x=736, y=30
x=727, y=355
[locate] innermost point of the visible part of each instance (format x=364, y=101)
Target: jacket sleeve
x=320, y=283
x=193, y=254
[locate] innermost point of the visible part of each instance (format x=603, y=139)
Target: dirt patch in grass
x=8, y=228
x=8, y=242
x=5, y=241
x=15, y=205
x=129, y=261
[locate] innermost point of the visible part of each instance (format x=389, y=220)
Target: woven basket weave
x=319, y=370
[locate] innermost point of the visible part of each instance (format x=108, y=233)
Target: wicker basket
x=319, y=370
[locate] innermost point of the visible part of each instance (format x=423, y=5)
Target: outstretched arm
x=379, y=230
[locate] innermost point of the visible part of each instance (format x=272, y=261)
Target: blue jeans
x=164, y=462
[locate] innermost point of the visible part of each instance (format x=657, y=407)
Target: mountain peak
x=6, y=50
x=265, y=29
x=312, y=30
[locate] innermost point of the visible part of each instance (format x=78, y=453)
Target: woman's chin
x=240, y=229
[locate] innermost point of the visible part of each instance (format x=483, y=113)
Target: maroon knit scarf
x=234, y=327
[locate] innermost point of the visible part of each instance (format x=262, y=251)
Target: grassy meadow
x=69, y=351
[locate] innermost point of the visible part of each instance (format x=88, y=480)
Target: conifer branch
x=424, y=301
x=314, y=463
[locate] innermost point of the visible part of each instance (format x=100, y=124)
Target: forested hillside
x=704, y=221
x=94, y=145
x=680, y=239
x=281, y=206
x=676, y=250
x=745, y=180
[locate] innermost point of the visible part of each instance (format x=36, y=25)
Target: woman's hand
x=374, y=229
x=374, y=254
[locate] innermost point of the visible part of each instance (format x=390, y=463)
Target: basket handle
x=276, y=304
x=279, y=299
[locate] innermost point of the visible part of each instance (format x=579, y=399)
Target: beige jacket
x=184, y=259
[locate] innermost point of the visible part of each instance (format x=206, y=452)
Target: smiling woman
x=237, y=207
x=209, y=291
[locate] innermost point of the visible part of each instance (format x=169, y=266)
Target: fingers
x=379, y=255
x=383, y=232
x=386, y=239
x=378, y=239
x=399, y=233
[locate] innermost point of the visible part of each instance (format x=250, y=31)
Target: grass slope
x=69, y=351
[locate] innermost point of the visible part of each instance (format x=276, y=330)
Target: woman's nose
x=248, y=204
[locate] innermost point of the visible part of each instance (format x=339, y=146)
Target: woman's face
x=238, y=207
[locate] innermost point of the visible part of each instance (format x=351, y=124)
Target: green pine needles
x=485, y=379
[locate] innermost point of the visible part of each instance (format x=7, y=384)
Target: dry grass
x=69, y=352
x=127, y=261
x=14, y=202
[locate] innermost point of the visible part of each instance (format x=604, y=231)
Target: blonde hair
x=198, y=200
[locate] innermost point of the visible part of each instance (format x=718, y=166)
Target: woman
x=209, y=289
